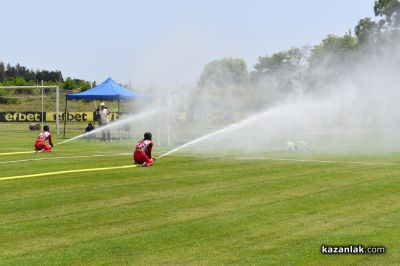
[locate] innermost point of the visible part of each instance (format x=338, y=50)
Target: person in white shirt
x=104, y=121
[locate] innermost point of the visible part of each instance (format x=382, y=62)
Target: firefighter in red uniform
x=142, y=154
x=40, y=144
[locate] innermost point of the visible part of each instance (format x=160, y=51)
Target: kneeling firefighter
x=142, y=154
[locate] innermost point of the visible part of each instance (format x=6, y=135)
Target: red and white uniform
x=41, y=141
x=142, y=152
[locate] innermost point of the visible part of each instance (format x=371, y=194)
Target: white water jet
x=230, y=128
x=112, y=125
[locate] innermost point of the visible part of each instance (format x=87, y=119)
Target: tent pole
x=58, y=109
x=119, y=109
x=65, y=115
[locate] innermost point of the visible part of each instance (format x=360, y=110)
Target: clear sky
x=163, y=42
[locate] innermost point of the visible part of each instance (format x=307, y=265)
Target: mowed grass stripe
x=202, y=177
x=179, y=229
x=195, y=211
x=110, y=189
x=207, y=204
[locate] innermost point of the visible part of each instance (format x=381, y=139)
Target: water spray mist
x=112, y=125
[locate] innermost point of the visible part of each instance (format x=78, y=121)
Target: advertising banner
x=51, y=116
x=71, y=116
x=21, y=116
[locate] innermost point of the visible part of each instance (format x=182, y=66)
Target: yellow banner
x=20, y=116
x=71, y=116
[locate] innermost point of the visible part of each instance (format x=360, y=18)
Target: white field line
x=182, y=155
x=201, y=156
x=65, y=157
x=68, y=172
x=285, y=159
x=330, y=161
x=16, y=152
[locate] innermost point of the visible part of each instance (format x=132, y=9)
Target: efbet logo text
x=20, y=116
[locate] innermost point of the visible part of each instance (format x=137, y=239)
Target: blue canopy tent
x=108, y=90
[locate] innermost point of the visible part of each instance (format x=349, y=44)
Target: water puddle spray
x=111, y=125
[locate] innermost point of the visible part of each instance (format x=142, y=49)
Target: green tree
x=332, y=59
x=228, y=72
x=69, y=84
x=76, y=84
x=271, y=71
x=10, y=71
x=279, y=74
x=270, y=64
x=19, y=75
x=2, y=72
x=84, y=85
x=287, y=61
x=366, y=30
x=390, y=11
x=334, y=52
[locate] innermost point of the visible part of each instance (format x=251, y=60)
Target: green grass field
x=192, y=209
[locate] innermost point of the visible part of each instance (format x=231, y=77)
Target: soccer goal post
x=57, y=88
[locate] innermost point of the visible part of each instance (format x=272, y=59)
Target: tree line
x=277, y=75
x=19, y=75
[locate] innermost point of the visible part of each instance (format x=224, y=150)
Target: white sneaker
x=42, y=150
x=144, y=164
